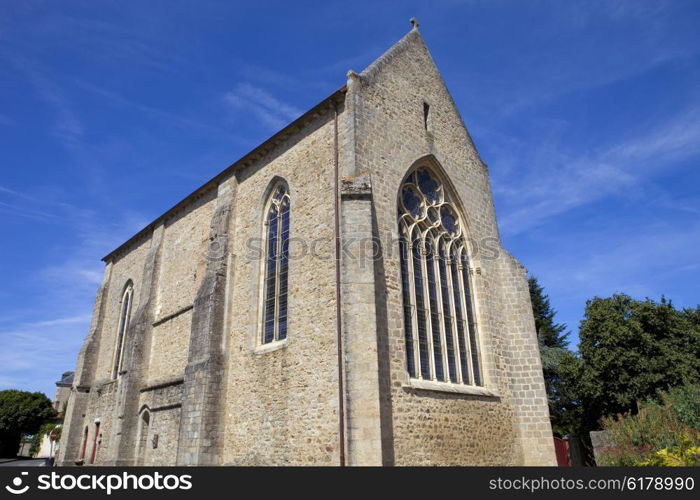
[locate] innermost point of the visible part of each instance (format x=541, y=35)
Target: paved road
x=22, y=462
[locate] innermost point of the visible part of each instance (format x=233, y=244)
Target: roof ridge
x=403, y=43
x=260, y=150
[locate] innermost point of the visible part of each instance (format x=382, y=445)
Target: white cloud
x=678, y=138
x=578, y=47
x=637, y=261
x=119, y=101
x=551, y=182
x=40, y=339
x=67, y=126
x=272, y=112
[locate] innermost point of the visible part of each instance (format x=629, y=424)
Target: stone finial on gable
x=353, y=80
x=414, y=23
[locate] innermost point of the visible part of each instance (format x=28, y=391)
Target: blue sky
x=587, y=113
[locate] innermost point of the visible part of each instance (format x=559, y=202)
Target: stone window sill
x=431, y=385
x=271, y=346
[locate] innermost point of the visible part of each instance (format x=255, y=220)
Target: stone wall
x=185, y=244
x=281, y=399
x=128, y=267
x=162, y=339
x=163, y=402
x=100, y=408
x=169, y=340
x=430, y=427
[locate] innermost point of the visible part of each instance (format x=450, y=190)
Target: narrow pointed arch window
x=438, y=304
x=124, y=315
x=274, y=319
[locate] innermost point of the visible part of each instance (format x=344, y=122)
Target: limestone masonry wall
x=281, y=404
x=128, y=267
x=430, y=427
x=182, y=257
x=169, y=340
x=199, y=387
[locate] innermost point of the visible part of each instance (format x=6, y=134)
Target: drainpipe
x=338, y=309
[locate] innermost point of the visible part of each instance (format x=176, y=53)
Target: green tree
x=552, y=339
x=549, y=333
x=21, y=412
x=38, y=436
x=630, y=351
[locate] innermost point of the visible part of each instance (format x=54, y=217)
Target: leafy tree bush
x=664, y=433
x=38, y=436
x=21, y=412
x=633, y=349
x=629, y=351
x=683, y=455
x=686, y=404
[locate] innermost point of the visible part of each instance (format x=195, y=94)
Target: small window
x=125, y=312
x=426, y=115
x=276, y=273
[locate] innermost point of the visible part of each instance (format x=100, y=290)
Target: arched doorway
x=83, y=449
x=144, y=424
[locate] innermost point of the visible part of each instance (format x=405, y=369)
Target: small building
x=48, y=447
x=63, y=388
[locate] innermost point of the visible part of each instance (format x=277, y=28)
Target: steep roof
x=66, y=379
x=413, y=36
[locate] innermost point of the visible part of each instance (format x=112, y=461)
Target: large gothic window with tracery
x=438, y=306
x=276, y=266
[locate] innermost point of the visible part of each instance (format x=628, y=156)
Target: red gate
x=561, y=448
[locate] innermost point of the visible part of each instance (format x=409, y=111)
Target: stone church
x=338, y=296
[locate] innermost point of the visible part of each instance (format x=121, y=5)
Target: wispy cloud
x=119, y=101
x=67, y=126
x=12, y=192
x=679, y=138
x=642, y=260
x=21, y=210
x=135, y=44
x=272, y=112
x=578, y=47
x=553, y=182
x=39, y=338
x=14, y=203
x=35, y=353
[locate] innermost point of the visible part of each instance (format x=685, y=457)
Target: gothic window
x=124, y=314
x=438, y=304
x=276, y=266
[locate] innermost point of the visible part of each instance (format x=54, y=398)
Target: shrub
x=666, y=433
x=680, y=456
x=686, y=403
x=38, y=436
x=21, y=413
